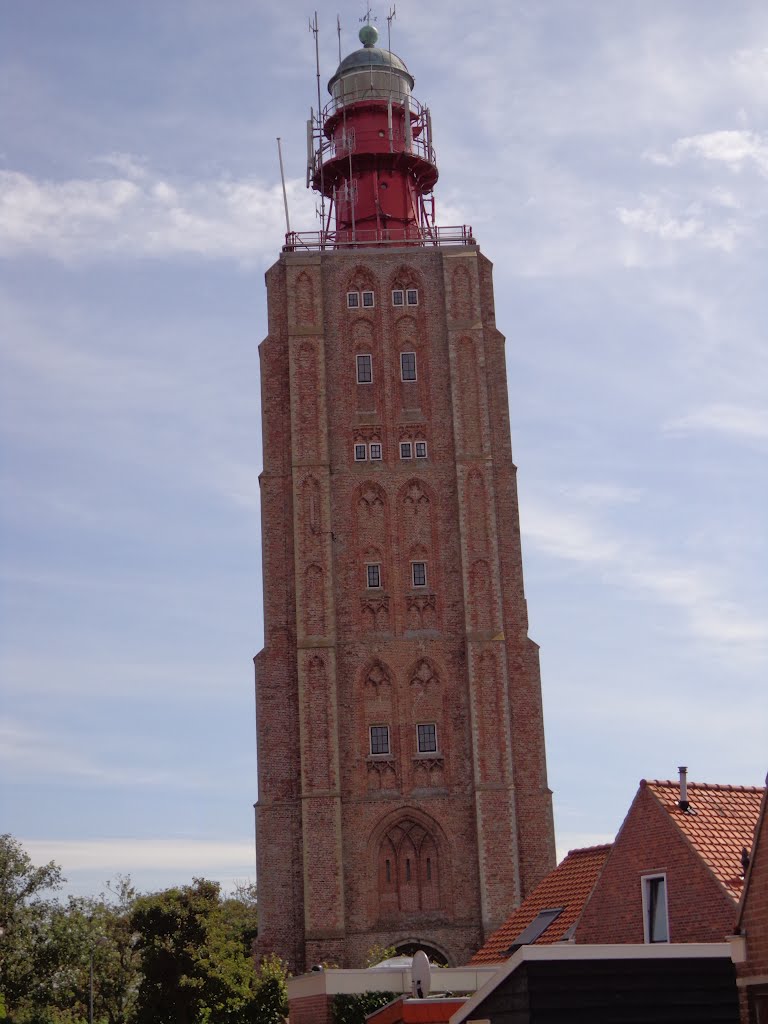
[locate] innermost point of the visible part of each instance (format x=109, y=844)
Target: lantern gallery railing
x=314, y=240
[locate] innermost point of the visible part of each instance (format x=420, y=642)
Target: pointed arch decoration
x=412, y=867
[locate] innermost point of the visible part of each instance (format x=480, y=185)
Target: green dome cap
x=368, y=35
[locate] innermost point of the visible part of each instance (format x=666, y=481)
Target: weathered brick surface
x=753, y=922
x=311, y=1010
x=353, y=849
x=700, y=909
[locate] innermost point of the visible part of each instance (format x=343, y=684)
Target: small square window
x=360, y=453
x=353, y=300
x=412, y=296
x=375, y=452
x=380, y=739
x=408, y=366
x=364, y=369
x=421, y=449
x=406, y=450
x=398, y=297
x=427, y=738
x=373, y=575
x=368, y=299
x=419, y=573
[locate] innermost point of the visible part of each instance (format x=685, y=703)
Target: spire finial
x=368, y=34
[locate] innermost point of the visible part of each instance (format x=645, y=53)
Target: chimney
x=682, y=803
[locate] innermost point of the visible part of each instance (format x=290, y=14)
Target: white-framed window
x=373, y=575
x=398, y=297
x=426, y=738
x=379, y=739
x=655, y=913
x=406, y=450
x=421, y=449
x=368, y=299
x=375, y=450
x=364, y=369
x=361, y=452
x=419, y=574
x=407, y=366
x=353, y=300
x=412, y=296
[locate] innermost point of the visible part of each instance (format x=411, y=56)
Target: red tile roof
x=417, y=1011
x=719, y=823
x=568, y=886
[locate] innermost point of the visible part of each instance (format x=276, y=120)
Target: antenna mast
x=313, y=28
x=282, y=179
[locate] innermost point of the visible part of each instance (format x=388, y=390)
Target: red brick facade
x=430, y=846
x=659, y=839
x=753, y=924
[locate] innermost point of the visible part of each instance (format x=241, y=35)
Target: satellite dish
x=420, y=975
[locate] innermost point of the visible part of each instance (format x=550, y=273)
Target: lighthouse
x=402, y=790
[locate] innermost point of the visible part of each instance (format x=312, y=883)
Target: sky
x=613, y=162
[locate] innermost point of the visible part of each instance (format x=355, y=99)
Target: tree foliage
x=181, y=956
x=28, y=960
x=271, y=1002
x=353, y=1009
x=196, y=956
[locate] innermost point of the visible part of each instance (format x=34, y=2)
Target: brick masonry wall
x=311, y=1010
x=699, y=908
x=754, y=918
x=355, y=849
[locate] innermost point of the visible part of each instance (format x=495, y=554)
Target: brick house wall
x=753, y=924
x=699, y=908
x=404, y=847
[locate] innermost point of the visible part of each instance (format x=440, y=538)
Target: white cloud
x=736, y=148
x=722, y=418
x=714, y=619
x=696, y=221
x=142, y=214
x=124, y=855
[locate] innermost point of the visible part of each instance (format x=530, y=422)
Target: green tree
x=271, y=1001
x=26, y=965
x=196, y=956
x=378, y=953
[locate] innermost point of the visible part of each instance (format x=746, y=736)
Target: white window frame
x=379, y=753
x=377, y=567
x=418, y=738
x=645, y=881
x=364, y=296
x=416, y=449
x=398, y=292
x=353, y=300
x=413, y=574
x=406, y=446
x=358, y=357
x=377, y=457
x=415, y=376
x=408, y=293
x=360, y=451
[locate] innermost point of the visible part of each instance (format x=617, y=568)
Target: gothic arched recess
x=411, y=865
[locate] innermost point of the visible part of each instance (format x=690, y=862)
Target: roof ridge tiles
x=715, y=786
x=588, y=849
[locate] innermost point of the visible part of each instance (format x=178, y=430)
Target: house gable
x=649, y=843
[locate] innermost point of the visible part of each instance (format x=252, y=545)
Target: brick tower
x=403, y=797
